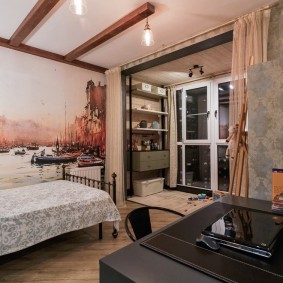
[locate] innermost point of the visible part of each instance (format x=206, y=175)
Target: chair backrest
x=139, y=219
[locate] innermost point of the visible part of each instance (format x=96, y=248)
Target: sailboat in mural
x=56, y=158
x=4, y=149
x=32, y=146
x=20, y=152
x=87, y=160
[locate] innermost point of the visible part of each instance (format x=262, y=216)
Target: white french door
x=203, y=119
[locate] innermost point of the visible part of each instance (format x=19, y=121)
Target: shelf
x=148, y=112
x=143, y=130
x=148, y=94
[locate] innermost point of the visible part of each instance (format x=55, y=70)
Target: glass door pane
x=180, y=165
x=179, y=114
x=223, y=168
x=223, y=108
x=197, y=160
x=196, y=114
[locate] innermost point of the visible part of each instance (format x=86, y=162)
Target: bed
x=32, y=214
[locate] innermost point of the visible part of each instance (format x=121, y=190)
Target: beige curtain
x=114, y=131
x=171, y=178
x=249, y=47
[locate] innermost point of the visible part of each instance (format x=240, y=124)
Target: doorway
x=202, y=129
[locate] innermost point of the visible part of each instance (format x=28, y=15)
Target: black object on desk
x=207, y=242
x=246, y=230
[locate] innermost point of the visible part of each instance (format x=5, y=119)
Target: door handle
x=207, y=114
x=215, y=113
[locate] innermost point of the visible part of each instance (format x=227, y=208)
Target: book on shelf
x=277, y=190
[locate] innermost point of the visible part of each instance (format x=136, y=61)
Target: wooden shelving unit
x=137, y=130
x=148, y=94
x=148, y=112
x=136, y=110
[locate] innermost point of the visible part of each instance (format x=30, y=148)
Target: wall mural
x=32, y=150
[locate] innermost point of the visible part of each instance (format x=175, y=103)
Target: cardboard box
x=148, y=187
x=277, y=182
x=158, y=90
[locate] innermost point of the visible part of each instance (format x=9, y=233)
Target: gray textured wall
x=273, y=45
x=265, y=125
x=265, y=91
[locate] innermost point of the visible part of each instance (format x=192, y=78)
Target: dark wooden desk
x=136, y=263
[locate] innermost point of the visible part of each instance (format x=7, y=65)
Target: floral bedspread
x=32, y=214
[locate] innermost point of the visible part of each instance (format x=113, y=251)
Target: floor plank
x=172, y=199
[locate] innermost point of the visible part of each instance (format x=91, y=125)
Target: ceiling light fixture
x=147, y=38
x=78, y=7
x=201, y=71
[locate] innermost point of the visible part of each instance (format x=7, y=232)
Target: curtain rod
x=202, y=33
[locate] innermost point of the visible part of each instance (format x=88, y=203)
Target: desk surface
x=136, y=263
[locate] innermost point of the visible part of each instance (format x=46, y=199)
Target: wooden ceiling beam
x=35, y=16
x=126, y=22
x=52, y=56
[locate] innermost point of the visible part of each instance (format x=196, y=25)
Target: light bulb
x=78, y=7
x=147, y=39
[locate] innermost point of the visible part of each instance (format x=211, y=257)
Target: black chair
x=140, y=221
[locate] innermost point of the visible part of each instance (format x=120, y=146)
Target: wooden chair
x=140, y=221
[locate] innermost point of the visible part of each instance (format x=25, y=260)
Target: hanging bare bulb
x=78, y=7
x=147, y=38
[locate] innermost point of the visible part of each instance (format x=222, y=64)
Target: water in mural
x=32, y=150
x=18, y=170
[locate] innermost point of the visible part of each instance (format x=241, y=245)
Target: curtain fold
x=171, y=178
x=249, y=47
x=114, y=131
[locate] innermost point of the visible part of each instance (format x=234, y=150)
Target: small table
x=136, y=263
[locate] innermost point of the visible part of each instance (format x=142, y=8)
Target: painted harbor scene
x=33, y=150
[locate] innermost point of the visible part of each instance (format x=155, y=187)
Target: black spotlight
x=201, y=70
x=190, y=73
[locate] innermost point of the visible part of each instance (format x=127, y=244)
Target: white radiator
x=93, y=173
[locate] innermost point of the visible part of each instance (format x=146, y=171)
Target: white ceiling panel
x=12, y=13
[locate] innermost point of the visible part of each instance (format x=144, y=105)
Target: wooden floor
x=172, y=199
x=73, y=257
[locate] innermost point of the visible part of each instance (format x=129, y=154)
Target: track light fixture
x=201, y=71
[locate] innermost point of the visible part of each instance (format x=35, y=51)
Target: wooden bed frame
x=102, y=185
